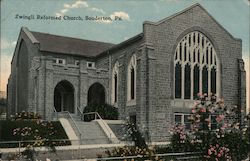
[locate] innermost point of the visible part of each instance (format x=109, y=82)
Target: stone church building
x=153, y=78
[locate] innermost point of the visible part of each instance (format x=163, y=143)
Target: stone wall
x=123, y=56
x=20, y=94
x=164, y=36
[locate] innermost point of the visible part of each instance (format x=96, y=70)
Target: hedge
x=106, y=111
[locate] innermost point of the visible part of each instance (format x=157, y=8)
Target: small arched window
x=213, y=80
x=196, y=67
x=178, y=80
x=131, y=79
x=115, y=73
x=196, y=81
x=204, y=80
x=187, y=86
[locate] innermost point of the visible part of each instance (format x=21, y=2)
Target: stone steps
x=91, y=132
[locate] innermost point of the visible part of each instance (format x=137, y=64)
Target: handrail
x=81, y=114
x=103, y=122
x=74, y=123
x=96, y=114
x=55, y=113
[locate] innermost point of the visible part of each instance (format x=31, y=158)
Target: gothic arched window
x=131, y=79
x=196, y=67
x=115, y=72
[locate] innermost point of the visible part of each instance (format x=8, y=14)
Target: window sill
x=92, y=68
x=73, y=66
x=115, y=104
x=182, y=103
x=131, y=102
x=61, y=65
x=66, y=65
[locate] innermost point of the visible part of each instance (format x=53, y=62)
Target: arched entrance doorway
x=96, y=94
x=64, y=97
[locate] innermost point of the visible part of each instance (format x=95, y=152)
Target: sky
x=233, y=15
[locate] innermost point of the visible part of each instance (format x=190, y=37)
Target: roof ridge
x=68, y=45
x=68, y=37
x=174, y=15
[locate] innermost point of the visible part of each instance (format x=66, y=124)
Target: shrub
x=229, y=136
x=161, y=149
x=2, y=105
x=29, y=153
x=134, y=134
x=181, y=141
x=26, y=116
x=130, y=151
x=236, y=142
x=140, y=147
x=3, y=101
x=217, y=152
x=106, y=111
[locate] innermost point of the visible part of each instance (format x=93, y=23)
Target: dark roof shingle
x=68, y=45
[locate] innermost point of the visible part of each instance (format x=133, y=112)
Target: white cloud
x=98, y=10
x=78, y=4
x=4, y=44
x=67, y=7
x=64, y=11
x=83, y=4
x=7, y=44
x=122, y=15
x=247, y=2
x=13, y=43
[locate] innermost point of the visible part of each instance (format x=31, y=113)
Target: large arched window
x=196, y=67
x=115, y=73
x=131, y=79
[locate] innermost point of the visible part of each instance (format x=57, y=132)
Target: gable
x=191, y=13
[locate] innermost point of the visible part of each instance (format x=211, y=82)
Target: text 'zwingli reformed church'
x=153, y=77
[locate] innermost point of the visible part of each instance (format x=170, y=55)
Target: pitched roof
x=68, y=45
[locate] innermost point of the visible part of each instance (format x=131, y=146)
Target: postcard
x=114, y=73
